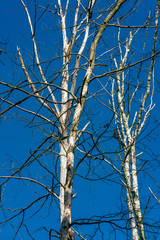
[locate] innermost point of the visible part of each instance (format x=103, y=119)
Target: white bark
x=127, y=176
x=68, y=136
x=63, y=173
x=127, y=142
x=126, y=138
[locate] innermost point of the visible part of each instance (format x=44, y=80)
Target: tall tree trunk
x=135, y=191
x=63, y=173
x=66, y=231
x=127, y=176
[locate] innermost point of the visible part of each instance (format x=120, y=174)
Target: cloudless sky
x=17, y=140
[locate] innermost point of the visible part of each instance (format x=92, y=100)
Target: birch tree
x=129, y=122
x=65, y=107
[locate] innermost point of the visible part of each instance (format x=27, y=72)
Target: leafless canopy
x=86, y=87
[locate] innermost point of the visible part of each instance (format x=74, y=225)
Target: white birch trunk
x=128, y=142
x=63, y=173
x=129, y=199
x=135, y=190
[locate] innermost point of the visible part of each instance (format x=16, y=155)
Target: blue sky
x=18, y=139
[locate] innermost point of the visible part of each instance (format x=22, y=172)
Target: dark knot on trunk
x=71, y=235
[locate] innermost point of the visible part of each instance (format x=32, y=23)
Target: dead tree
x=129, y=124
x=62, y=110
